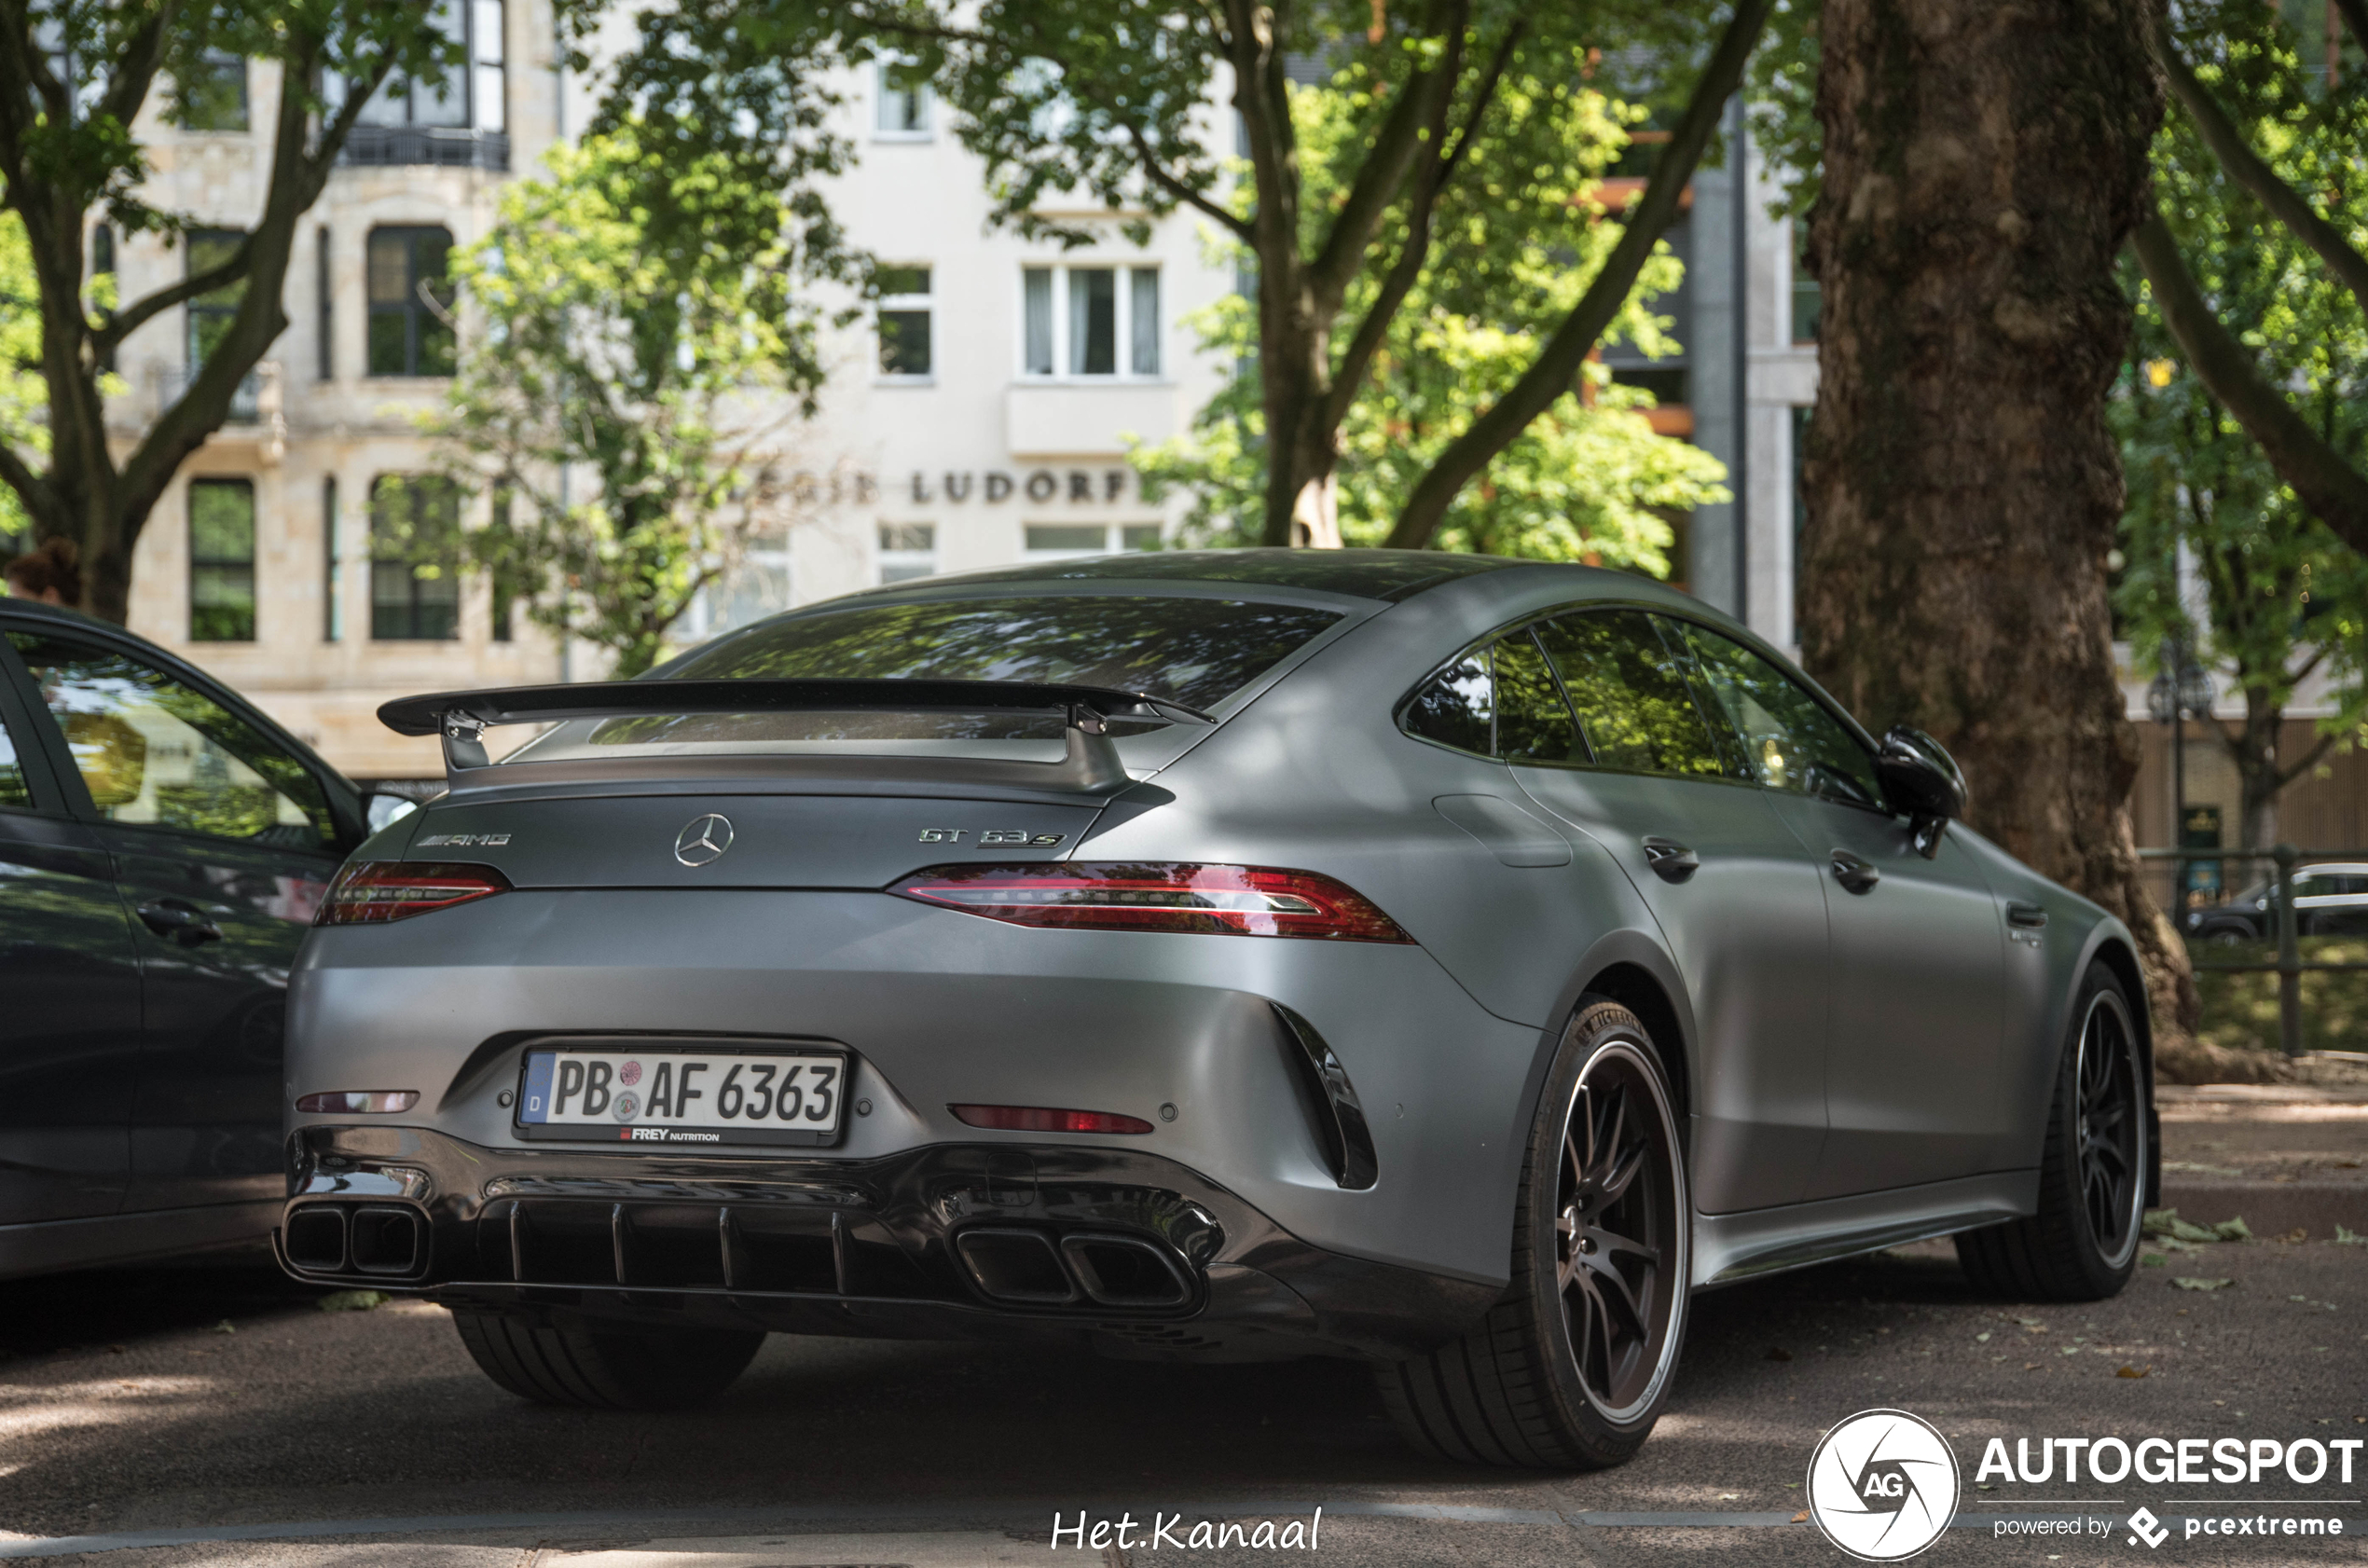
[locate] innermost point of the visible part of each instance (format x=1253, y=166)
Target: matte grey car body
x=1860, y=1041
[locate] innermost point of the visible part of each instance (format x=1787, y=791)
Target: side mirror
x=1922, y=779
x=380, y=808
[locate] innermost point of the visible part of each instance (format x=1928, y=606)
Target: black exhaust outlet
x=316, y=1238
x=1016, y=1266
x=388, y=1241
x=1125, y=1271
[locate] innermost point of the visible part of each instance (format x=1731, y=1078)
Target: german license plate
x=682, y=1096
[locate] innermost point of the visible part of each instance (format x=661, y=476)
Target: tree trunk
x=2257, y=769
x=1984, y=160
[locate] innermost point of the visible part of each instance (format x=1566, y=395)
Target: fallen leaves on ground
x=2134, y=1371
x=2167, y=1225
x=352, y=1301
x=2189, y=1282
x=1801, y=1517
x=2347, y=1237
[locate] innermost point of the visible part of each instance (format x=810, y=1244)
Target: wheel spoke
x=1616, y=1289
x=1614, y=1183
x=1576, y=1160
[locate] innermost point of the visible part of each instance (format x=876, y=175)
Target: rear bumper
x=1125, y=1253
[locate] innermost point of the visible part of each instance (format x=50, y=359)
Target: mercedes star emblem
x=704, y=842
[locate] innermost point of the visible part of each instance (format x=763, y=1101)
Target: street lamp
x=2182, y=690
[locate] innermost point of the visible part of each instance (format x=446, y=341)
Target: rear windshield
x=1197, y=651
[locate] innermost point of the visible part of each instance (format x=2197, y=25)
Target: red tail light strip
x=1166, y=896
x=1042, y=1119
x=373, y=892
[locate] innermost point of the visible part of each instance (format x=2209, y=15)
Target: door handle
x=179, y=920
x=1671, y=860
x=1858, y=875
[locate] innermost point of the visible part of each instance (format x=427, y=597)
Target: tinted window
x=12, y=785
x=153, y=750
x=1457, y=707
x=1789, y=740
x=1533, y=722
x=1501, y=701
x=1630, y=693
x=1193, y=651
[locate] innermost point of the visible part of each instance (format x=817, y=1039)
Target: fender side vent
x=1329, y=1102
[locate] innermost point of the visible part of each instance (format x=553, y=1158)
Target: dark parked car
x=162, y=849
x=1444, y=962
x=2329, y=901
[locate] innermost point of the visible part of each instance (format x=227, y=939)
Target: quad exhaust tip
x=370, y=1239
x=1025, y=1268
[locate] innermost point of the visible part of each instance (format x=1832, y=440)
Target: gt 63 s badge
x=1883, y=1485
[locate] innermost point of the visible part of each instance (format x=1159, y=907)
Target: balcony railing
x=258, y=396
x=389, y=146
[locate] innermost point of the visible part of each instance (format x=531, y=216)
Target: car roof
x=1386, y=575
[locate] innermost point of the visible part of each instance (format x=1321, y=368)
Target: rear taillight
x=373, y=892
x=1045, y=1118
x=1212, y=900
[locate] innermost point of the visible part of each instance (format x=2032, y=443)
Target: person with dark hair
x=49, y=573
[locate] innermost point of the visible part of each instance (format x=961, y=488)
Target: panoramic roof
x=1382, y=575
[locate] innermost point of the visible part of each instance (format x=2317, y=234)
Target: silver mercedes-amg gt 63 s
x=1445, y=961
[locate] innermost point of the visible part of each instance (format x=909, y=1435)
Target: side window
x=152, y=750
x=1533, y=722
x=1501, y=701
x=1635, y=705
x=12, y=785
x=1789, y=739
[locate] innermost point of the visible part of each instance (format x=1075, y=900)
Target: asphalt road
x=154, y=1406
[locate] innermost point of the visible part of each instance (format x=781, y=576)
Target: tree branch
x=1234, y=224
x=132, y=318
x=2285, y=204
x=2287, y=775
x=1549, y=376
x=1394, y=150
x=2328, y=485
x=1415, y=254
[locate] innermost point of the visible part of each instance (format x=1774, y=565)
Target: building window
x=460, y=120
x=505, y=607
x=415, y=587
x=1052, y=541
x=210, y=313
x=1109, y=325
x=410, y=302
x=327, y=299
x=221, y=561
x=907, y=550
x=1809, y=297
x=332, y=605
x=904, y=102
x=214, y=95
x=904, y=321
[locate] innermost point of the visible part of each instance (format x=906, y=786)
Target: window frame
x=206, y=306
x=197, y=485
x=1123, y=323
x=480, y=55
x=913, y=564
x=219, y=62
x=924, y=98
x=1725, y=730
x=412, y=602
x=413, y=309
x=1713, y=719
x=923, y=304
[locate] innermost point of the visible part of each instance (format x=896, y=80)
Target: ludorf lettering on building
x=1106, y=487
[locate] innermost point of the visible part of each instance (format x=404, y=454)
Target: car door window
x=1789, y=739
x=13, y=790
x=1499, y=701
x=1635, y=707
x=154, y=750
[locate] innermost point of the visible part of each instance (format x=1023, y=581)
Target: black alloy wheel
x=2082, y=1244
x=1570, y=1367
x=1615, y=1226
x=2111, y=1130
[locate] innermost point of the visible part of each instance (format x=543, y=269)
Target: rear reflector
x=1166, y=896
x=1038, y=1119
x=373, y=892
x=358, y=1102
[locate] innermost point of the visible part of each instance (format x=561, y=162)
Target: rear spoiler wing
x=1092, y=764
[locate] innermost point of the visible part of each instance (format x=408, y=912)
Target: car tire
x=609, y=1368
x=2083, y=1244
x=1571, y=1366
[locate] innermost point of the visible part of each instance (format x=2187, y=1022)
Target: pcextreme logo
x=1883, y=1485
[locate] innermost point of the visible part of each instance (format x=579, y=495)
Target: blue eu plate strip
x=536, y=1106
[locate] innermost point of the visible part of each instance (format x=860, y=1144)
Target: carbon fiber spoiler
x=461, y=718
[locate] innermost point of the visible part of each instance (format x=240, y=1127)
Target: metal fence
x=2289, y=966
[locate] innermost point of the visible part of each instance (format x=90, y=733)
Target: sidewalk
x=2283, y=1157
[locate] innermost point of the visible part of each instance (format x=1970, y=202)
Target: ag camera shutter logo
x=1883, y=1485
